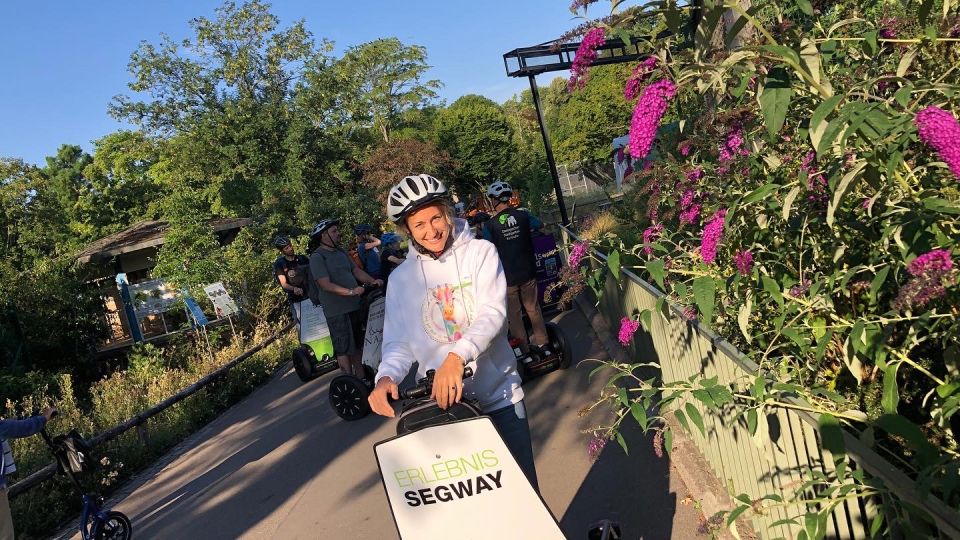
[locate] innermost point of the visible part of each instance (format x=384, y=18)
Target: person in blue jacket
x=15, y=429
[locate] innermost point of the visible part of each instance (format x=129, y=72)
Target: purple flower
x=647, y=114
x=585, y=55
x=658, y=443
x=743, y=260
x=690, y=313
x=690, y=214
x=639, y=76
x=695, y=174
x=712, y=232
x=595, y=447
x=628, y=327
x=577, y=253
x=940, y=129
x=733, y=145
x=577, y=5
x=938, y=261
x=685, y=148
x=650, y=235
x=801, y=288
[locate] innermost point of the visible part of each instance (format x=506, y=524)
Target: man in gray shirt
x=335, y=287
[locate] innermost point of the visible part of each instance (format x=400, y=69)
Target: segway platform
x=314, y=357
x=348, y=394
x=459, y=480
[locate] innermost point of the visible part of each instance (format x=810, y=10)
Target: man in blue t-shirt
x=368, y=248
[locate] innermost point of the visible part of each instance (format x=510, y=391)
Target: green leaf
x=639, y=414
x=704, y=291
x=842, y=190
x=646, y=318
x=940, y=205
x=736, y=513
x=623, y=443
x=622, y=397
x=876, y=525
x=805, y=7
x=818, y=119
x=775, y=99
x=870, y=43
x=759, y=193
x=830, y=134
x=668, y=440
x=788, y=201
x=704, y=397
x=903, y=95
x=831, y=435
x=878, y=282
x=682, y=418
x=695, y=417
x=924, y=11
x=752, y=421
x=613, y=263
x=655, y=268
x=773, y=288
x=891, y=393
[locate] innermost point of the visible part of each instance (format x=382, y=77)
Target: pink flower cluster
x=712, y=232
x=801, y=288
x=595, y=447
x=940, y=129
x=585, y=55
x=639, y=76
x=650, y=235
x=931, y=274
x=695, y=174
x=577, y=252
x=628, y=327
x=743, y=260
x=733, y=145
x=685, y=148
x=647, y=114
x=689, y=207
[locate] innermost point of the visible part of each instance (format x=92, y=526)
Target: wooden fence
x=778, y=459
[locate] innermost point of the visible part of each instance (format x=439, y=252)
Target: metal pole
x=549, y=150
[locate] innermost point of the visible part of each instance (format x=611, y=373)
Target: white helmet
x=411, y=193
x=499, y=190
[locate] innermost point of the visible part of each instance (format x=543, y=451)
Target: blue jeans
x=511, y=422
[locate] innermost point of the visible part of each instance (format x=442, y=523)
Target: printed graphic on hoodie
x=448, y=310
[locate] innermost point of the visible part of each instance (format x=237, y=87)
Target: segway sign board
x=373, y=338
x=460, y=480
x=313, y=328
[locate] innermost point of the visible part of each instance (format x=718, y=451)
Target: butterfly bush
x=712, y=232
x=585, y=56
x=647, y=114
x=939, y=129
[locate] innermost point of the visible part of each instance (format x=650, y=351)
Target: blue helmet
x=389, y=238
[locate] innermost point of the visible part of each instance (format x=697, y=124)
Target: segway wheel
x=560, y=344
x=303, y=363
x=348, y=397
x=115, y=527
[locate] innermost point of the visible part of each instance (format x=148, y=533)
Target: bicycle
x=96, y=522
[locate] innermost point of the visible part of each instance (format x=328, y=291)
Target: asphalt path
x=281, y=464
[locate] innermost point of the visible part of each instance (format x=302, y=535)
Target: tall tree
x=593, y=116
x=474, y=130
x=67, y=181
x=381, y=80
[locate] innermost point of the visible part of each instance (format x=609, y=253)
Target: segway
x=449, y=473
x=314, y=357
x=348, y=393
x=533, y=364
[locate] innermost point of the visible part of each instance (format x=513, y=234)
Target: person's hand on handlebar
x=448, y=381
x=377, y=282
x=379, y=397
x=50, y=412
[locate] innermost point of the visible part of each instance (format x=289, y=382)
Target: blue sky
x=62, y=61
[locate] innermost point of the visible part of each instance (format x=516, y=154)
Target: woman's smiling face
x=429, y=227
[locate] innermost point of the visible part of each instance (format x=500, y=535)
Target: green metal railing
x=776, y=460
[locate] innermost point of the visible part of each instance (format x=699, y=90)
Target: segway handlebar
x=424, y=386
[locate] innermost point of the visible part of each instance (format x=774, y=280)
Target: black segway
x=348, y=393
x=314, y=356
x=534, y=363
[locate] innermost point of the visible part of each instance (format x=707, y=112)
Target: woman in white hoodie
x=446, y=309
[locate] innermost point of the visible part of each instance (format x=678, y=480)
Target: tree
x=593, y=116
x=392, y=161
x=381, y=80
x=67, y=182
x=191, y=256
x=475, y=131
x=32, y=222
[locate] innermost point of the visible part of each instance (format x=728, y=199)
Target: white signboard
x=313, y=325
x=222, y=303
x=152, y=297
x=460, y=481
x=373, y=338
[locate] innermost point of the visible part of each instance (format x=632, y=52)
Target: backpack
x=73, y=453
x=355, y=257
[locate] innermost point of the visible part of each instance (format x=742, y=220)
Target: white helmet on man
x=412, y=193
x=500, y=190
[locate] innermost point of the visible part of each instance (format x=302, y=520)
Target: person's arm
x=487, y=234
x=318, y=269
x=395, y=260
x=17, y=429
x=371, y=242
x=282, y=278
x=364, y=277
x=492, y=308
x=535, y=223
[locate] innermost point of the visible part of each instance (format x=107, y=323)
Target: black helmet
x=323, y=225
x=362, y=229
x=281, y=241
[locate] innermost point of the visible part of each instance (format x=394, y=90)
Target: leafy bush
x=806, y=204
